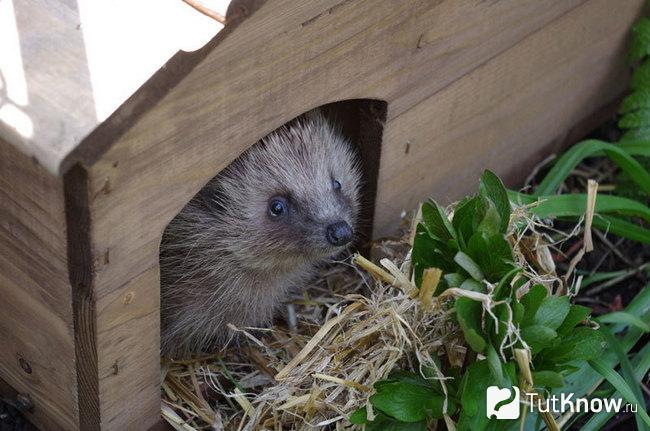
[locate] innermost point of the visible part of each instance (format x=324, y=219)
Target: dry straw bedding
x=355, y=324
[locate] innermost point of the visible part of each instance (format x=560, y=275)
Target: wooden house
x=433, y=92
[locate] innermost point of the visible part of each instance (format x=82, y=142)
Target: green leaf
x=624, y=318
x=385, y=423
x=635, y=119
x=577, y=313
x=406, y=401
x=477, y=378
x=359, y=416
x=467, y=215
x=503, y=315
x=641, y=77
x=538, y=337
x=454, y=279
x=518, y=311
x=641, y=364
x=492, y=254
x=466, y=262
x=552, y=311
x=410, y=378
x=636, y=148
x=601, y=276
x=626, y=369
x=468, y=314
x=640, y=45
x=531, y=302
x=494, y=363
x=639, y=99
x=581, y=344
x=572, y=207
x=504, y=289
x=575, y=205
x=548, y=379
x=436, y=222
x=567, y=162
x=473, y=285
x=617, y=381
x=491, y=187
x=426, y=254
x=585, y=378
x=490, y=224
x=622, y=228
x=638, y=135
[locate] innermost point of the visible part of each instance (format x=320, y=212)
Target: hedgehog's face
x=305, y=194
x=316, y=223
x=314, y=218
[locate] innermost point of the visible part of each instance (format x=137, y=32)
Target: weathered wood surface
x=289, y=58
x=506, y=113
x=37, y=355
x=468, y=84
x=66, y=65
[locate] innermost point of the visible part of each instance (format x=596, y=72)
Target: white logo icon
x=502, y=403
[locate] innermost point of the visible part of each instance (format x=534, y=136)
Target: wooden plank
x=505, y=114
x=280, y=62
x=80, y=273
x=37, y=354
x=129, y=374
x=64, y=68
x=479, y=77
x=107, y=70
x=223, y=107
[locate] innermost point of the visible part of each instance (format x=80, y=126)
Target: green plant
x=625, y=212
x=482, y=279
x=539, y=341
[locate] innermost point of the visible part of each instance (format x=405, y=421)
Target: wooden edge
x=154, y=89
x=80, y=270
x=591, y=122
x=373, y=117
x=575, y=134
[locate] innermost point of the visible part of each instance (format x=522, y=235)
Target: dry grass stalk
x=588, y=244
x=526, y=383
x=430, y=280
x=592, y=190
x=350, y=333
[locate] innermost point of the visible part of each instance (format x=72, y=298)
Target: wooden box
x=432, y=91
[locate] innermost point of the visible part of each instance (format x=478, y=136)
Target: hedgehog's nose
x=339, y=233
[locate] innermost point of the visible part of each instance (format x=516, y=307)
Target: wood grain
x=37, y=354
x=64, y=68
x=223, y=107
x=507, y=113
x=282, y=61
x=80, y=272
x=468, y=85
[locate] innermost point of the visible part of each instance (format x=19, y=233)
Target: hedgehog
x=256, y=231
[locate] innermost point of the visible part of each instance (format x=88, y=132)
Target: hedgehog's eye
x=277, y=207
x=336, y=185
